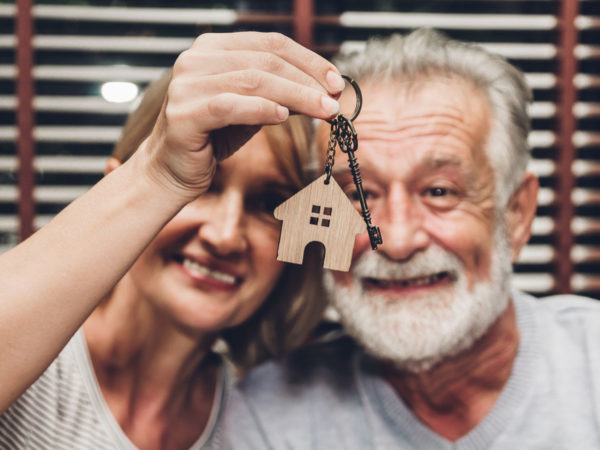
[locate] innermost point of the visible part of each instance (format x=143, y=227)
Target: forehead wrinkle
x=429, y=124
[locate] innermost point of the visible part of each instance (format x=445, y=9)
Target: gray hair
x=426, y=52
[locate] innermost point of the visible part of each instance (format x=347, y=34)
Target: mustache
x=433, y=260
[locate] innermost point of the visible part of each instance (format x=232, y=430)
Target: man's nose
x=224, y=230
x=402, y=225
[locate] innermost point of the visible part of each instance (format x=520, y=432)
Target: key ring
x=358, y=94
x=341, y=122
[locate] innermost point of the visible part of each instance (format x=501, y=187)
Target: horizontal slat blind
x=586, y=195
x=9, y=223
x=77, y=48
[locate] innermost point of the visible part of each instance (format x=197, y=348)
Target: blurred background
x=71, y=70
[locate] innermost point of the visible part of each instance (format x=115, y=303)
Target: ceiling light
x=119, y=91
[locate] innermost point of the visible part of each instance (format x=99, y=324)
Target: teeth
x=421, y=281
x=199, y=269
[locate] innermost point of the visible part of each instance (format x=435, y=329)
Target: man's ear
x=520, y=213
x=111, y=165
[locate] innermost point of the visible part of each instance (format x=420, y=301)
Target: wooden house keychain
x=322, y=212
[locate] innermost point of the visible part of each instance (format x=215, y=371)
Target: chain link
x=331, y=149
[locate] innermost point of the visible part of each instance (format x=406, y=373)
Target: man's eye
x=438, y=192
x=441, y=197
x=353, y=195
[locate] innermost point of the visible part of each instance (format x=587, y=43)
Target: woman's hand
x=223, y=89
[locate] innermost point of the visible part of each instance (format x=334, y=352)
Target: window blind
x=78, y=47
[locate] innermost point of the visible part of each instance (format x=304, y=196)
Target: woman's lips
x=203, y=274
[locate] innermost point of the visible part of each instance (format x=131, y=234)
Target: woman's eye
x=271, y=202
x=266, y=203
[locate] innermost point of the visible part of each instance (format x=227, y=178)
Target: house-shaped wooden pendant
x=320, y=212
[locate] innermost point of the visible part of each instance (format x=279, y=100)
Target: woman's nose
x=224, y=230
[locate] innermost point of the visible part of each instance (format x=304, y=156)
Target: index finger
x=325, y=73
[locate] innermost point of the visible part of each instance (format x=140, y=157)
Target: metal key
x=348, y=141
x=343, y=134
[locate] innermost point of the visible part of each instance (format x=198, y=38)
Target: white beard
x=417, y=331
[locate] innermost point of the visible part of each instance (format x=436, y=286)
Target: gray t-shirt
x=64, y=409
x=331, y=396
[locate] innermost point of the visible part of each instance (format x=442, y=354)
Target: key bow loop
x=346, y=134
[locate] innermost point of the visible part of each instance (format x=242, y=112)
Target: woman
x=141, y=372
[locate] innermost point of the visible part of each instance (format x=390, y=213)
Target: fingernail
x=282, y=112
x=330, y=106
x=335, y=81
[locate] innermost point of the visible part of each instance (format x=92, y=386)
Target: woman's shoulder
x=55, y=401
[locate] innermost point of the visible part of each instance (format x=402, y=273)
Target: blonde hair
x=296, y=304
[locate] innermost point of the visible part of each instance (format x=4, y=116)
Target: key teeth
x=375, y=237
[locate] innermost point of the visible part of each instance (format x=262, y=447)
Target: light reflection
x=119, y=91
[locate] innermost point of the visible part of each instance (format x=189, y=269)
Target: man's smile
x=431, y=280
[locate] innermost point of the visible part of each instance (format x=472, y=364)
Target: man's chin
x=415, y=331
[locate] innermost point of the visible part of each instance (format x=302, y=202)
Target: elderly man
x=442, y=354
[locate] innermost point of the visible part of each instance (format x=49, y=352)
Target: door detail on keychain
x=321, y=212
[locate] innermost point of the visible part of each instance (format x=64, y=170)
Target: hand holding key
x=223, y=89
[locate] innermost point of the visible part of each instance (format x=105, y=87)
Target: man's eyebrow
x=438, y=161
